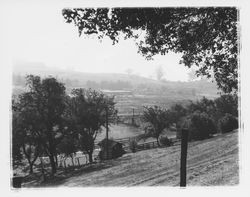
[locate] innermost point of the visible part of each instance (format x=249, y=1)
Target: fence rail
x=149, y=145
x=83, y=159
x=129, y=115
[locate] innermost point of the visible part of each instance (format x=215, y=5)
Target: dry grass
x=210, y=162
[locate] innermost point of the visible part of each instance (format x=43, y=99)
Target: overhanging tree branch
x=189, y=31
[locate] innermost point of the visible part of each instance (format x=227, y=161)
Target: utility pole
x=184, y=145
x=133, y=117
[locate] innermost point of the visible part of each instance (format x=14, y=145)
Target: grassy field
x=210, y=162
x=126, y=103
x=117, y=131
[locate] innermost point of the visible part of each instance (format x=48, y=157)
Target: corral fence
x=152, y=144
x=81, y=159
x=140, y=146
x=132, y=119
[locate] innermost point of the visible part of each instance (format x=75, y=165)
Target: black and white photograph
x=123, y=96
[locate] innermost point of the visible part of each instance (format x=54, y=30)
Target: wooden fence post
x=184, y=145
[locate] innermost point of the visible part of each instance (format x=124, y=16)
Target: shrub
x=201, y=126
x=158, y=119
x=227, y=103
x=164, y=141
x=133, y=146
x=227, y=123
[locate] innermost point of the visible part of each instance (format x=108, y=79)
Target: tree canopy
x=25, y=124
x=206, y=37
x=89, y=110
x=47, y=122
x=41, y=111
x=158, y=119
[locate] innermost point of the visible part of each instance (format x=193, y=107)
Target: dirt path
x=210, y=162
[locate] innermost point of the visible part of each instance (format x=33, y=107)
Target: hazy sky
x=38, y=33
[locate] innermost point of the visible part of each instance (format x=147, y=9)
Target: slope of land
x=131, y=92
x=136, y=84
x=210, y=162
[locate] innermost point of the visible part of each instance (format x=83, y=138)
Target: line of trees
x=47, y=122
x=203, y=118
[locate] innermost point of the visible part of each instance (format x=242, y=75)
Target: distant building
x=114, y=150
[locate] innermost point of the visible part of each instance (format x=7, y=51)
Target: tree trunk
x=72, y=160
x=53, y=164
x=157, y=139
x=56, y=160
x=31, y=167
x=43, y=174
x=29, y=160
x=90, y=156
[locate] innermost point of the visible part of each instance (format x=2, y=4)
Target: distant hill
x=114, y=81
x=37, y=68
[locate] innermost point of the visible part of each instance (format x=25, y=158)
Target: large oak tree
x=24, y=126
x=41, y=113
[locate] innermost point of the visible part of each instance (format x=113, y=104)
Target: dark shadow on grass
x=62, y=175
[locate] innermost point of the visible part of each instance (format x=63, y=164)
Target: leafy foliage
x=40, y=112
x=228, y=123
x=158, y=119
x=203, y=105
x=165, y=141
x=25, y=124
x=216, y=108
x=16, y=140
x=67, y=146
x=227, y=103
x=219, y=111
x=89, y=110
x=47, y=121
x=206, y=37
x=177, y=111
x=200, y=126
